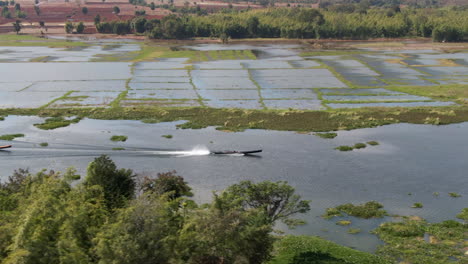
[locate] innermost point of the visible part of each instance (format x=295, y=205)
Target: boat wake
x=196, y=151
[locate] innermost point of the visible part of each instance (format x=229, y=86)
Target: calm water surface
x=410, y=164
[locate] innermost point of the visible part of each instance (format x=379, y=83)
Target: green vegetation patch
x=57, y=122
x=344, y=148
x=44, y=144
x=10, y=137
x=118, y=148
x=326, y=135
x=343, y=222
x=359, y=145
x=454, y=194
x=167, y=136
x=238, y=119
x=117, y=138
x=354, y=231
x=372, y=143
x=417, y=205
x=419, y=242
x=312, y=250
x=367, y=210
x=2, y=118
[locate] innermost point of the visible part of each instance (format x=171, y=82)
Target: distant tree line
x=114, y=216
x=441, y=24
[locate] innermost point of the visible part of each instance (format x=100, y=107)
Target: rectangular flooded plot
x=244, y=104
x=361, y=80
x=162, y=94
x=445, y=70
x=220, y=73
x=87, y=99
x=304, y=64
x=229, y=94
x=13, y=87
x=225, y=64
x=162, y=79
x=293, y=73
x=377, y=91
x=303, y=82
x=267, y=64
x=356, y=71
x=149, y=86
x=158, y=65
x=223, y=83
x=288, y=94
x=399, y=104
x=296, y=104
x=12, y=72
x=102, y=85
x=417, y=82
x=160, y=103
x=27, y=99
x=161, y=73
x=375, y=98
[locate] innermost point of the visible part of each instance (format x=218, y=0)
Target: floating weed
x=44, y=144
x=118, y=148
x=432, y=120
x=454, y=194
x=373, y=143
x=167, y=136
x=343, y=222
x=359, y=145
x=56, y=122
x=10, y=137
x=435, y=194
x=417, y=205
x=344, y=148
x=326, y=135
x=2, y=118
x=116, y=138
x=367, y=210
x=354, y=231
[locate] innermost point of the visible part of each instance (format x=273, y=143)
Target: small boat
x=5, y=147
x=231, y=152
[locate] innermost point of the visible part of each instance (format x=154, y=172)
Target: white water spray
x=198, y=150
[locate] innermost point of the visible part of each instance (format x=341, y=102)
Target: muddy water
x=410, y=164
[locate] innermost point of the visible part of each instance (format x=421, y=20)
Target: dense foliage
x=111, y=217
x=441, y=24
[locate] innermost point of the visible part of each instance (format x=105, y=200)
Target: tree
x=276, y=199
x=69, y=27
x=144, y=232
x=41, y=23
x=17, y=26
x=84, y=10
x=138, y=24
x=80, y=28
x=152, y=6
x=37, y=10
x=17, y=7
x=118, y=184
x=116, y=10
x=97, y=19
x=252, y=26
x=167, y=183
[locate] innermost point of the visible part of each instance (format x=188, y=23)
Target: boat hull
x=5, y=147
x=231, y=152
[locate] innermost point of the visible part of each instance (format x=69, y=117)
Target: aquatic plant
x=372, y=143
x=44, y=144
x=367, y=210
x=417, y=205
x=119, y=138
x=2, y=118
x=343, y=222
x=167, y=136
x=56, y=122
x=454, y=194
x=359, y=145
x=354, y=231
x=326, y=135
x=10, y=137
x=119, y=148
x=344, y=148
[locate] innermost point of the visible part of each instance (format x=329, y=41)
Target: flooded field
x=278, y=79
x=409, y=165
